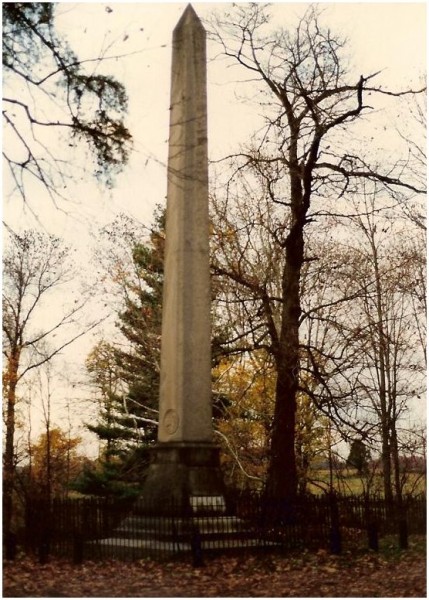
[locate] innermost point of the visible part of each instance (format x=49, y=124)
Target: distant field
x=348, y=481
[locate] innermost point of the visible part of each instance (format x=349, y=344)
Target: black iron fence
x=90, y=528
x=359, y=512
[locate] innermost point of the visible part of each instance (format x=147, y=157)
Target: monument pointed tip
x=189, y=16
x=191, y=9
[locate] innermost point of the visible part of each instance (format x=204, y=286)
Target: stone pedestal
x=183, y=477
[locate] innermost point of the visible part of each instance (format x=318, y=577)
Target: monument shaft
x=185, y=463
x=185, y=390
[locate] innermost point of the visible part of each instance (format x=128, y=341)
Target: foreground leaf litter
x=303, y=575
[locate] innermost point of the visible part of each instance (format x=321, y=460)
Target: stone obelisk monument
x=185, y=461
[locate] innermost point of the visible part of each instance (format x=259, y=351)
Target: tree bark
x=282, y=478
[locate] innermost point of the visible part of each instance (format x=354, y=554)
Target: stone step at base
x=132, y=548
x=142, y=536
x=184, y=536
x=182, y=526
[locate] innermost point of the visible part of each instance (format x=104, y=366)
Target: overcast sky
x=388, y=36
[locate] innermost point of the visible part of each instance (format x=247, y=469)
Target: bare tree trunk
x=9, y=459
x=282, y=479
x=382, y=358
x=47, y=416
x=387, y=466
x=396, y=463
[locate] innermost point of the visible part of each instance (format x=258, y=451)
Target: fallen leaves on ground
x=302, y=575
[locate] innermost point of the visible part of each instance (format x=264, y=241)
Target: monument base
x=183, y=476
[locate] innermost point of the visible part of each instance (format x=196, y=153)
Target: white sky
x=388, y=36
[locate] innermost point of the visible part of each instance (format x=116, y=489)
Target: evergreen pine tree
x=126, y=375
x=140, y=323
x=359, y=456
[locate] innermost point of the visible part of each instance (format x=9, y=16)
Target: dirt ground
x=305, y=575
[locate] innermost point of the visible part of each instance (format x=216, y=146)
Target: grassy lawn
x=349, y=482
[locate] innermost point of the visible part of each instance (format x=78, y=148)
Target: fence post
x=44, y=548
x=196, y=547
x=335, y=533
x=10, y=545
x=373, y=536
x=403, y=533
x=174, y=533
x=77, y=549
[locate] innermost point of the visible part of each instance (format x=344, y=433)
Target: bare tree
x=389, y=361
x=35, y=265
x=304, y=162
